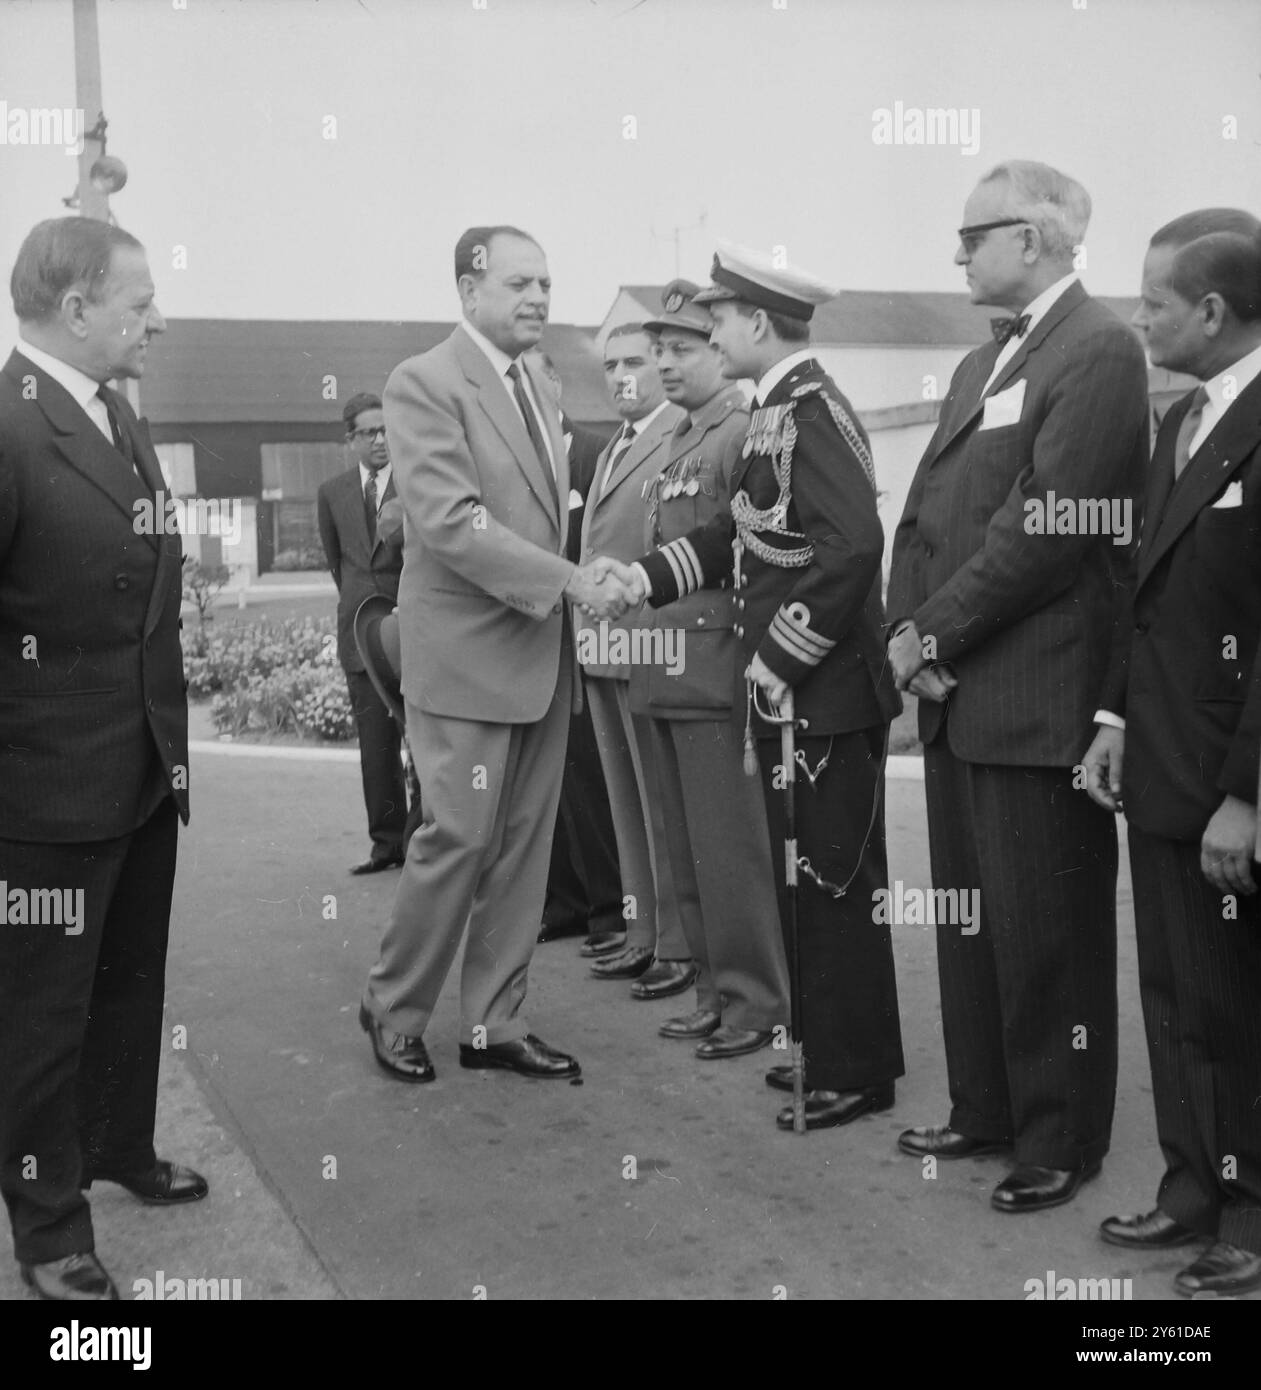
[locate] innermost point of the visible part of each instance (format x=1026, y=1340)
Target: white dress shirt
x=500, y=361
x=1037, y=309
x=777, y=373
x=81, y=387
x=1240, y=375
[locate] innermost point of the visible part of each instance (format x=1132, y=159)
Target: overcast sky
x=756, y=114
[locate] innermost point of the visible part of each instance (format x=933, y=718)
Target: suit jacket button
x=121, y=582
x=739, y=630
x=1140, y=628
x=928, y=550
x=740, y=603
x=556, y=607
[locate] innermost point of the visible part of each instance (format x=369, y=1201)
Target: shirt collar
x=771, y=379
x=383, y=475
x=79, y=384
x=639, y=426
x=703, y=416
x=1039, y=308
x=1242, y=373
x=497, y=357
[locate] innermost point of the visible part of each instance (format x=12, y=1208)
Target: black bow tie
x=1002, y=329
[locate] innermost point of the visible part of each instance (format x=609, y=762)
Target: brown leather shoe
x=626, y=965
x=1154, y=1231
x=943, y=1142
x=77, y=1278
x=406, y=1059
x=162, y=1185
x=664, y=978
x=1223, y=1269
x=733, y=1042
x=694, y=1025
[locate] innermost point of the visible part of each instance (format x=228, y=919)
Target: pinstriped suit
x=93, y=766
x=1029, y=1002
x=1192, y=706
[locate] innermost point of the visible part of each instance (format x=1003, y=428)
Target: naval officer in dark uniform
x=804, y=546
x=715, y=821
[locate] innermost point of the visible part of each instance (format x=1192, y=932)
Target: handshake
x=605, y=588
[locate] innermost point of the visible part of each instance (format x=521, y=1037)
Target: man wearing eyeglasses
x=1000, y=624
x=365, y=554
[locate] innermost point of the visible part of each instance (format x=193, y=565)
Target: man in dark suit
x=803, y=545
x=488, y=665
x=1005, y=564
x=93, y=753
x=365, y=554
x=584, y=885
x=1179, y=728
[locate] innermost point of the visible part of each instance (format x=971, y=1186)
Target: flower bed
x=271, y=678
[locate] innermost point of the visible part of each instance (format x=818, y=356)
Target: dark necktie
x=532, y=426
x=620, y=446
x=370, y=506
x=122, y=440
x=1006, y=328
x=1186, y=432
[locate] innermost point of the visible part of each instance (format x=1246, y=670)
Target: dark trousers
x=81, y=1028
x=1200, y=978
x=1029, y=1002
x=584, y=882
x=384, y=787
x=851, y=1034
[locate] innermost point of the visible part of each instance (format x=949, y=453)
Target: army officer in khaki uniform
x=714, y=815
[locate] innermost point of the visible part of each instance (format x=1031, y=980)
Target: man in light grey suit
x=656, y=954
x=488, y=661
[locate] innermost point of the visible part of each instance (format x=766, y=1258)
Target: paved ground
x=332, y=1180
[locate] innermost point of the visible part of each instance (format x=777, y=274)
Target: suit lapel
x=503, y=414
x=1231, y=441
x=640, y=448
x=972, y=400
x=84, y=447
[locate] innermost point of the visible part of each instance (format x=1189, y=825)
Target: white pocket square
x=1232, y=497
x=1004, y=408
x=575, y=498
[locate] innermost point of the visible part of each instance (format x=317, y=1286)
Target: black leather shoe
x=1155, y=1231
x=376, y=866
x=943, y=1142
x=1029, y=1187
x=404, y=1058
x=76, y=1279
x=827, y=1108
x=1223, y=1269
x=733, y=1042
x=695, y=1025
x=162, y=1185
x=626, y=965
x=603, y=943
x=664, y=978
x=557, y=931
x=781, y=1077
x=529, y=1056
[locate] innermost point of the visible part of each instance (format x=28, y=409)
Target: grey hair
x=1058, y=206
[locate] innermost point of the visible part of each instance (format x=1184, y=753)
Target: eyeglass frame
x=969, y=234
x=366, y=433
